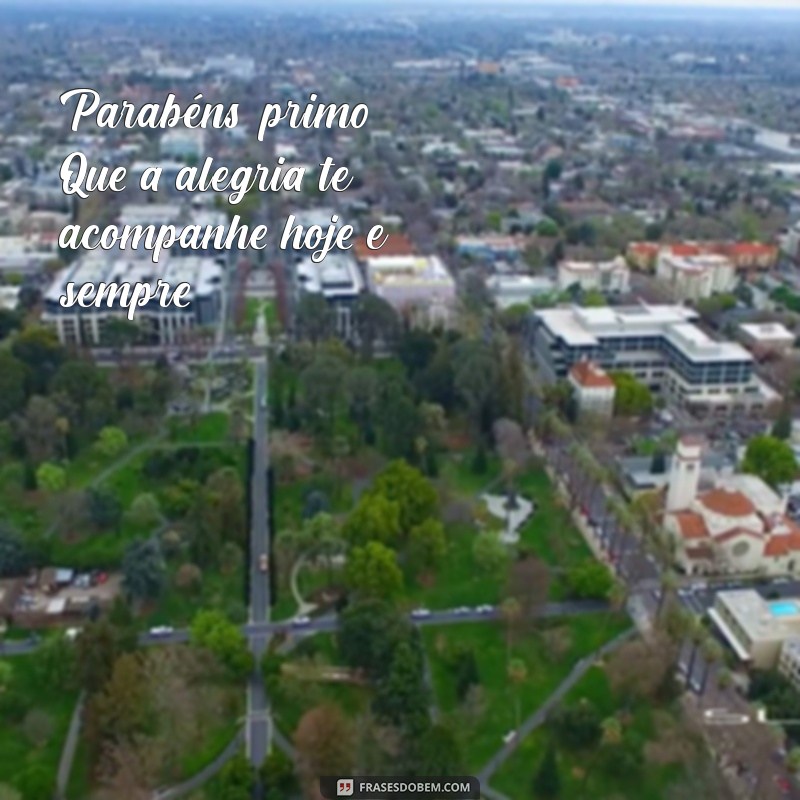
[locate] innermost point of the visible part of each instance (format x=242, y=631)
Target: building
x=695, y=277
x=165, y=326
x=515, y=290
x=419, y=288
x=338, y=280
x=594, y=390
x=737, y=526
x=767, y=338
x=745, y=256
x=659, y=345
x=489, y=248
x=755, y=628
x=26, y=255
x=609, y=277
x=183, y=144
x=789, y=660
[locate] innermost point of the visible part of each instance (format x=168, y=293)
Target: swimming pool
x=783, y=608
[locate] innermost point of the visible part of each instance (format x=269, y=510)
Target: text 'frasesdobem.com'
x=399, y=788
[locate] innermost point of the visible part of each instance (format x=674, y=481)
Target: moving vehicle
x=301, y=622
x=161, y=630
x=263, y=562
x=420, y=613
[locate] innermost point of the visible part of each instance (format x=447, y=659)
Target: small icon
x=344, y=787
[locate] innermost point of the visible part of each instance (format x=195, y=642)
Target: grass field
x=25, y=694
x=650, y=783
x=548, y=654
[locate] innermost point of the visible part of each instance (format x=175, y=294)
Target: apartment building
x=745, y=256
x=594, y=389
x=755, y=628
x=695, y=277
x=659, y=345
x=609, y=277
x=163, y=326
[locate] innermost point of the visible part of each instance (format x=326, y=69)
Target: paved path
x=540, y=715
x=69, y=749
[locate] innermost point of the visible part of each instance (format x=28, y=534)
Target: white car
x=420, y=613
x=301, y=622
x=71, y=634
x=462, y=610
x=161, y=630
x=485, y=609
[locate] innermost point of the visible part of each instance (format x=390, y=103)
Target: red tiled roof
x=735, y=533
x=398, y=244
x=691, y=525
x=591, y=376
x=729, y=504
x=701, y=551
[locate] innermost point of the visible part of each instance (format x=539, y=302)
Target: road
x=259, y=721
x=330, y=622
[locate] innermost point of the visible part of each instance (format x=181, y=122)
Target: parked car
x=420, y=613
x=161, y=630
x=301, y=622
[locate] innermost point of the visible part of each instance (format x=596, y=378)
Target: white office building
x=165, y=326
x=695, y=277
x=609, y=277
x=659, y=345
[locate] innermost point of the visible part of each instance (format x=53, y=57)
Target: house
x=594, y=389
x=767, y=338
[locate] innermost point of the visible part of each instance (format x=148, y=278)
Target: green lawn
x=456, y=472
x=210, y=428
x=649, y=783
x=550, y=532
x=548, y=654
x=24, y=694
x=294, y=697
x=458, y=581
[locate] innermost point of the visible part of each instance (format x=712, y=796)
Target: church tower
x=684, y=474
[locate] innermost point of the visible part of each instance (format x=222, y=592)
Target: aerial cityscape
x=455, y=435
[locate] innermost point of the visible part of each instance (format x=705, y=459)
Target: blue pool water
x=785, y=608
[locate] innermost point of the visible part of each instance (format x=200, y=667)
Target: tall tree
x=143, y=569
x=372, y=571
x=771, y=459
x=325, y=743
x=413, y=493
x=547, y=780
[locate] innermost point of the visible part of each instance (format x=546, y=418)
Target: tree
x=111, y=441
x=372, y=571
x=321, y=387
x=401, y=697
x=368, y=633
x=361, y=393
x=490, y=554
x=214, y=632
x=314, y=318
x=464, y=667
x=38, y=348
x=577, y=726
x=632, y=398
x=511, y=613
x=771, y=459
x=517, y=674
x=16, y=557
x=6, y=674
x=38, y=429
x=13, y=379
x=143, y=569
x=433, y=752
x=189, y=577
x=590, y=580
x=547, y=781
x=375, y=518
x=324, y=743
x=224, y=505
x=236, y=779
x=277, y=774
x=427, y=544
x=414, y=494
x=97, y=650
x=529, y=582
x=145, y=511
x=38, y=727
x=375, y=321
x=35, y=782
x=104, y=508
x=86, y=392
x=477, y=373
x=51, y=478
